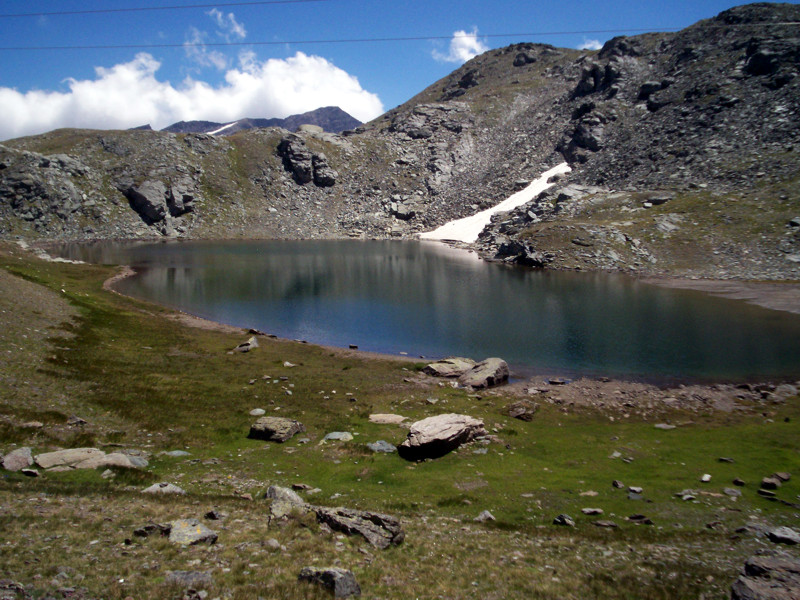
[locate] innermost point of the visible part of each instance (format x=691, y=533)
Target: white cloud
x=196, y=50
x=129, y=94
x=463, y=46
x=229, y=26
x=590, y=45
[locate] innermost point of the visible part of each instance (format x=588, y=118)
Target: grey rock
x=768, y=577
x=783, y=476
x=275, y=429
x=196, y=580
x=592, y=511
x=381, y=446
x=487, y=373
x=436, y=436
x=605, y=523
x=18, y=459
x=177, y=453
x=564, y=520
x=524, y=410
x=275, y=492
x=68, y=458
x=258, y=412
x=247, y=346
x=150, y=529
x=732, y=492
x=784, y=535
x=163, y=488
x=340, y=582
x=337, y=436
x=386, y=419
x=770, y=483
x=29, y=472
x=149, y=199
x=189, y=532
x=664, y=426
x=449, y=367
x=380, y=530
x=484, y=517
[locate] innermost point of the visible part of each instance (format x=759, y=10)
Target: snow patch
x=223, y=128
x=467, y=229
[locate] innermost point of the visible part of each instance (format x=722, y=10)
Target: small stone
x=382, y=446
x=18, y=459
x=783, y=476
x=664, y=426
x=176, y=453
x=484, y=517
x=189, y=579
x=592, y=511
x=337, y=436
x=163, y=488
x=564, y=520
x=617, y=484
x=603, y=523
x=738, y=481
x=770, y=483
x=732, y=492
x=725, y=459
x=340, y=582
x=386, y=419
x=213, y=515
x=258, y=412
x=766, y=493
x=189, y=532
x=635, y=489
x=29, y=472
x=705, y=478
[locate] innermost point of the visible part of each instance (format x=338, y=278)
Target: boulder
x=296, y=158
x=18, y=459
x=282, y=494
x=564, y=520
x=436, y=436
x=768, y=577
x=189, y=532
x=386, y=419
x=487, y=373
x=340, y=582
x=275, y=429
x=324, y=175
x=784, y=535
x=337, y=436
x=382, y=446
x=378, y=529
x=449, y=367
x=149, y=200
x=181, y=197
x=248, y=345
x=68, y=458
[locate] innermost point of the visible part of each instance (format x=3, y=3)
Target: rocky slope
x=684, y=150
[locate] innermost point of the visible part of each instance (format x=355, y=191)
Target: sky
x=171, y=60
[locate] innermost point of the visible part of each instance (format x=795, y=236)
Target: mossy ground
x=144, y=380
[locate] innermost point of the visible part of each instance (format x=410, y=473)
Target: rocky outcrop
x=487, y=373
x=275, y=429
x=436, y=436
x=378, y=529
x=88, y=458
x=768, y=577
x=305, y=165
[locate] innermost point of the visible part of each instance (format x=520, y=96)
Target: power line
x=151, y=8
x=528, y=35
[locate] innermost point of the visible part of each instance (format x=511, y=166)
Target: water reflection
x=427, y=299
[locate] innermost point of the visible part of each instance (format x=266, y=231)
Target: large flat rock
x=487, y=373
x=275, y=429
x=449, y=367
x=436, y=436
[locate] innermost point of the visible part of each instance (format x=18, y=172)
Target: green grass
x=143, y=380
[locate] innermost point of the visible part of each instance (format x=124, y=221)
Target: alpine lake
x=425, y=299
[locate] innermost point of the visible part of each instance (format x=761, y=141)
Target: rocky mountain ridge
x=683, y=148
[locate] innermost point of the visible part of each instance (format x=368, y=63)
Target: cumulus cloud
x=463, y=46
x=590, y=45
x=229, y=27
x=129, y=94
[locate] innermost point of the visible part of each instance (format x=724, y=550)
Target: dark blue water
x=430, y=300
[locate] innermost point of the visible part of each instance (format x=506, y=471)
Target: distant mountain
x=331, y=118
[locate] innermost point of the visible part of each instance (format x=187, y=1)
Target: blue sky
x=176, y=73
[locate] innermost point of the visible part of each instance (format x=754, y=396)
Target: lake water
x=430, y=300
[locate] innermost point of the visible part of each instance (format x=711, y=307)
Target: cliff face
x=683, y=147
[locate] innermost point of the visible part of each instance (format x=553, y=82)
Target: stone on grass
x=484, y=517
x=386, y=419
x=732, y=492
x=664, y=426
x=258, y=412
x=784, y=535
x=592, y=511
x=176, y=453
x=449, y=367
x=275, y=429
x=604, y=523
x=382, y=446
x=436, y=436
x=487, y=373
x=189, y=532
x=88, y=458
x=340, y=582
x=524, y=410
x=247, y=346
x=276, y=492
x=775, y=577
x=18, y=459
x=29, y=472
x=378, y=529
x=337, y=436
x=163, y=488
x=705, y=478
x=190, y=579
x=564, y=520
x=770, y=483
x=783, y=476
